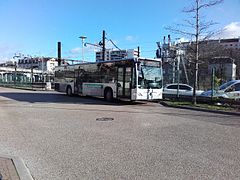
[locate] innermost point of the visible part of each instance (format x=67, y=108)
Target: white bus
x=132, y=79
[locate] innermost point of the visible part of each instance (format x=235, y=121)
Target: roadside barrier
x=34, y=86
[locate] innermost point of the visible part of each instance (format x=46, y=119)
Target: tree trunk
x=194, y=98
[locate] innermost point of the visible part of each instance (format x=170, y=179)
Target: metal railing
x=25, y=85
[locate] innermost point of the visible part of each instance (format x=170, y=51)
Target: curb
x=21, y=88
x=201, y=109
x=21, y=168
x=28, y=89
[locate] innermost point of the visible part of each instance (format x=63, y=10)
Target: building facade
x=225, y=68
x=225, y=62
x=232, y=43
x=117, y=54
x=44, y=64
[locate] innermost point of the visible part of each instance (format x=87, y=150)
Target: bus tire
x=69, y=91
x=108, y=94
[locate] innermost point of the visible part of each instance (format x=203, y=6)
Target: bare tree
x=196, y=27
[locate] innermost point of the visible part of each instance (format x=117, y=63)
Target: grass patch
x=201, y=105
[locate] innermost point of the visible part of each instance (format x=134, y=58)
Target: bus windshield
x=150, y=75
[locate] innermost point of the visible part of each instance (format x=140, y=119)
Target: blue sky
x=35, y=26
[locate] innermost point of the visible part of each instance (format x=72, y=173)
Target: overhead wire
x=114, y=44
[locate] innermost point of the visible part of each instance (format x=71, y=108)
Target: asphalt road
x=61, y=137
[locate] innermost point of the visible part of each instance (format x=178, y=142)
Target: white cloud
x=73, y=53
x=76, y=50
x=232, y=30
x=182, y=39
x=71, y=57
x=130, y=38
x=6, y=52
x=76, y=53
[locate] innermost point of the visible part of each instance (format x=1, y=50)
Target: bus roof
x=109, y=61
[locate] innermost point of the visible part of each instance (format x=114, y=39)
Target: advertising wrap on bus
x=94, y=89
x=133, y=79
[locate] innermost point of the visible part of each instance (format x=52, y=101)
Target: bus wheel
x=108, y=95
x=69, y=91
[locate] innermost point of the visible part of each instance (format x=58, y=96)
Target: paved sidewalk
x=13, y=168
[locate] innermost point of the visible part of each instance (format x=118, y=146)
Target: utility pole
x=178, y=72
x=59, y=53
x=31, y=72
x=15, y=72
x=138, y=51
x=213, y=83
x=42, y=59
x=185, y=69
x=103, y=44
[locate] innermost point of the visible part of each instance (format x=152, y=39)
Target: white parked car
x=229, y=90
x=170, y=90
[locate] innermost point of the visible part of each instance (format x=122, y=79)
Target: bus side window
x=134, y=78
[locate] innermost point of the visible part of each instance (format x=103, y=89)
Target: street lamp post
x=15, y=73
x=83, y=38
x=42, y=59
x=31, y=71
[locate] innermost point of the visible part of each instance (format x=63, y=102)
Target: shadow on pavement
x=54, y=97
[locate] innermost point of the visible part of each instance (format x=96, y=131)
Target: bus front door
x=124, y=82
